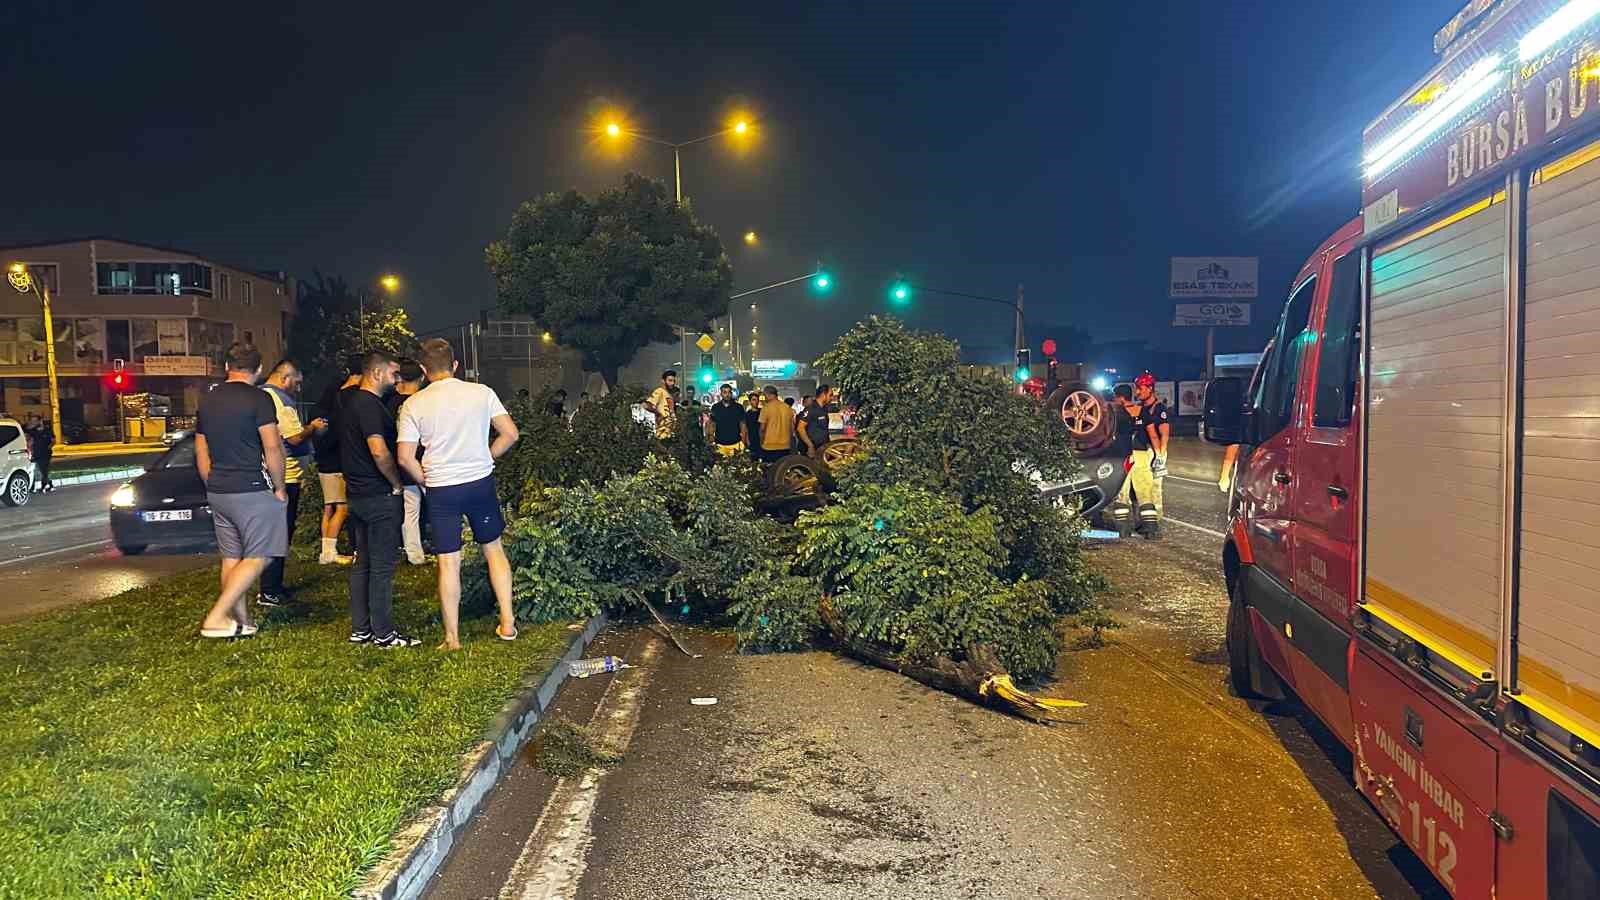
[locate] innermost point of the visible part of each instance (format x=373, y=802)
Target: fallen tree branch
x=981, y=678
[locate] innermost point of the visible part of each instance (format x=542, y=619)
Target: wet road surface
x=58, y=552
x=817, y=777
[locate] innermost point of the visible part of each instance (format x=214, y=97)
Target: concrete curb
x=97, y=477
x=423, y=844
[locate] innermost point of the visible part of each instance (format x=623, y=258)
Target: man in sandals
x=452, y=418
x=239, y=451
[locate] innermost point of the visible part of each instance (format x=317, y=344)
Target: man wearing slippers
x=453, y=418
x=239, y=452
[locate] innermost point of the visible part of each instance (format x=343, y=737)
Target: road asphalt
x=58, y=552
x=814, y=776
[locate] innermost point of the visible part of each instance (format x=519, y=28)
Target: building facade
x=163, y=317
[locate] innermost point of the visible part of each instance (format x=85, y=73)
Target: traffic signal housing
x=1023, y=372
x=708, y=369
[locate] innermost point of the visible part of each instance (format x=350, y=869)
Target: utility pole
x=1020, y=341
x=1211, y=351
x=23, y=281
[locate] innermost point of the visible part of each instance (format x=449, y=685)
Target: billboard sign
x=1223, y=277
x=774, y=368
x=1212, y=315
x=177, y=365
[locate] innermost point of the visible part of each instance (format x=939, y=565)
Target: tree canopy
x=327, y=328
x=611, y=274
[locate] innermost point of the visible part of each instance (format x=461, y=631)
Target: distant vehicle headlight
x=1099, y=383
x=123, y=496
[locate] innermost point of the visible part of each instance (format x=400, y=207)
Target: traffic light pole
x=733, y=337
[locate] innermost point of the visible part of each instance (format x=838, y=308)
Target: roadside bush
x=606, y=440
x=541, y=456
x=549, y=582
x=308, y=518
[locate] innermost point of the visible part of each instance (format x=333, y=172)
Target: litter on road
x=703, y=701
x=583, y=668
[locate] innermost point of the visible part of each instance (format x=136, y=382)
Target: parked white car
x=17, y=469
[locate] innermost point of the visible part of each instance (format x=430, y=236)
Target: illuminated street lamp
x=23, y=280
x=751, y=238
x=390, y=283
x=616, y=130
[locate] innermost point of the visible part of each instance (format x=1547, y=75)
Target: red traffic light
x=1049, y=346
x=119, y=381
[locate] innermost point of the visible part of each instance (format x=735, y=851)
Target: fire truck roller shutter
x=1558, y=644
x=1436, y=420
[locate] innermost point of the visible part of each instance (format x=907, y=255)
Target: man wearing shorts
x=452, y=418
x=239, y=451
x=330, y=477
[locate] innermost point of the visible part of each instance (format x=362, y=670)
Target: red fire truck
x=1414, y=548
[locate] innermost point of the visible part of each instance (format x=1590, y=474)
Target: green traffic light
x=707, y=376
x=823, y=281
x=900, y=292
x=1022, y=375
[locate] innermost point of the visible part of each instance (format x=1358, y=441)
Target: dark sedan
x=165, y=505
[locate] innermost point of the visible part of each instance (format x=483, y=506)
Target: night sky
x=1068, y=147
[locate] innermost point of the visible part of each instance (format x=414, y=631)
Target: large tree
x=327, y=328
x=609, y=275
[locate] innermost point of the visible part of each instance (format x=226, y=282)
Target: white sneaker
x=337, y=559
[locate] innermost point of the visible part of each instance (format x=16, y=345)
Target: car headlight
x=123, y=496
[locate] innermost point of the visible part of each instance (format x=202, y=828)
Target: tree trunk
x=981, y=678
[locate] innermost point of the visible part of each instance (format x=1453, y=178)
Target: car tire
x=790, y=475
x=19, y=489
x=1087, y=416
x=1248, y=674
x=132, y=549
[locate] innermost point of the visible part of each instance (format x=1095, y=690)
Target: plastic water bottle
x=583, y=668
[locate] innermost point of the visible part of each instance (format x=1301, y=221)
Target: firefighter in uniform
x=1152, y=429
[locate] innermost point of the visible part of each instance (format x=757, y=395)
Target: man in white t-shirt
x=452, y=418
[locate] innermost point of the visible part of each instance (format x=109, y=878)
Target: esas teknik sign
x=1219, y=277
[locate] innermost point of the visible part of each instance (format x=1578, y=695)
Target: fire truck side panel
x=1436, y=430
x=1428, y=772
x=1546, y=814
x=1558, y=618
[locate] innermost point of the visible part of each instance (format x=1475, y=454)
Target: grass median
x=138, y=760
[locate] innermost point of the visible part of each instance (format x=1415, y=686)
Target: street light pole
x=23, y=281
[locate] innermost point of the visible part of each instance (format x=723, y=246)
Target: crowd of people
x=396, y=444
x=761, y=424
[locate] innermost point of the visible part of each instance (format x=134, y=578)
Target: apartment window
x=247, y=292
x=88, y=342
x=113, y=278
x=172, y=278
x=119, y=340
x=30, y=341
x=8, y=342
x=224, y=286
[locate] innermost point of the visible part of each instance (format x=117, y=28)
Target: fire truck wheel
x=1247, y=673
x=1086, y=414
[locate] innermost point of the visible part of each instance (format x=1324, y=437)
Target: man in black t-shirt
x=239, y=452
x=813, y=422
x=329, y=475
x=373, y=485
x=752, y=424
x=725, y=425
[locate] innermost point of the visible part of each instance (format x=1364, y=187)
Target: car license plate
x=169, y=515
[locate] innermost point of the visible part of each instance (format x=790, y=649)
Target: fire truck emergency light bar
x=1557, y=27
x=1473, y=84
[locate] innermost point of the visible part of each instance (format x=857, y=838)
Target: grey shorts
x=250, y=526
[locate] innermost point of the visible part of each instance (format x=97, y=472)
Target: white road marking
x=555, y=856
x=1192, y=481
x=1200, y=528
x=42, y=553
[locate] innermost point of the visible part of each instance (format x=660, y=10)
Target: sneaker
x=268, y=598
x=360, y=637
x=337, y=559
x=394, y=640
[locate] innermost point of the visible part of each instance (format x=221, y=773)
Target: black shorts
x=477, y=501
